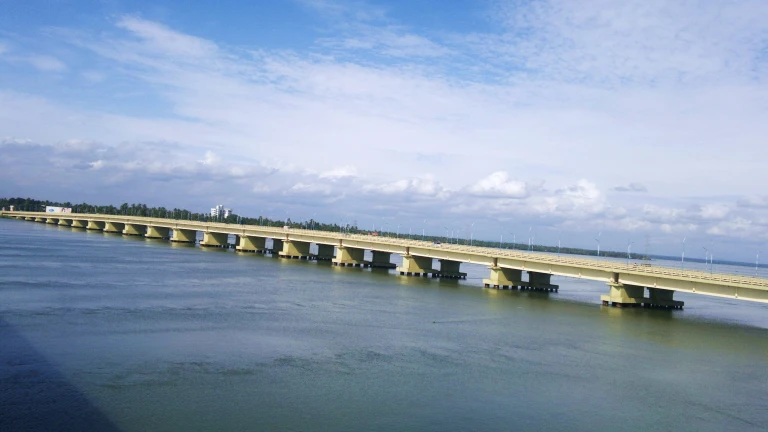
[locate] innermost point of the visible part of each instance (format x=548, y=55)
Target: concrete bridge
x=628, y=285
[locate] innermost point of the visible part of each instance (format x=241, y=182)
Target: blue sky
x=634, y=118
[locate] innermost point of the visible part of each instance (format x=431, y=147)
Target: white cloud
x=46, y=63
x=498, y=184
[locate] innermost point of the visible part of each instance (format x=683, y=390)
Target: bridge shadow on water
x=35, y=396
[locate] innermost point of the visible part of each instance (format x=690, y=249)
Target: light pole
x=423, y=229
x=471, y=233
x=514, y=240
x=501, y=239
x=530, y=239
x=682, y=260
x=446, y=232
x=706, y=257
x=558, y=246
x=598, y=242
x=757, y=258
x=629, y=248
x=313, y=220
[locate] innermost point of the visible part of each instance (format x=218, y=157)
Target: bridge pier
x=662, y=299
x=416, y=266
x=114, y=227
x=184, y=236
x=541, y=282
x=621, y=295
x=40, y=219
x=251, y=244
x=79, y=223
x=95, y=225
x=277, y=246
x=30, y=219
x=293, y=249
x=324, y=252
x=503, y=278
x=65, y=222
x=134, y=229
x=451, y=270
x=52, y=221
x=155, y=232
x=349, y=257
x=382, y=260
x=212, y=239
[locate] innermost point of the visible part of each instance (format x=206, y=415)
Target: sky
x=640, y=122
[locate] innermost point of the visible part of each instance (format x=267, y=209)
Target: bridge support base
x=295, y=250
x=135, y=230
x=251, y=244
x=79, y=223
x=382, y=260
x=451, y=270
x=154, y=232
x=65, y=222
x=417, y=266
x=350, y=257
x=324, y=252
x=540, y=282
x=184, y=236
x=114, y=227
x=52, y=221
x=621, y=295
x=504, y=278
x=95, y=225
x=211, y=239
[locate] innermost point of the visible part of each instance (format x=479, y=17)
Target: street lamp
x=682, y=260
x=423, y=229
x=757, y=258
x=629, y=247
x=706, y=256
x=598, y=243
x=471, y=233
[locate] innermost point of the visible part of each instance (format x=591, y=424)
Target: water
x=103, y=332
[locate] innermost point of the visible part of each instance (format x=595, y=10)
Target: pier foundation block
x=324, y=252
x=155, y=232
x=504, y=278
x=184, y=236
x=52, y=221
x=251, y=244
x=135, y=230
x=212, y=239
x=540, y=282
x=65, y=222
x=95, y=225
x=416, y=266
x=114, y=227
x=382, y=260
x=79, y=223
x=350, y=257
x=293, y=249
x=451, y=270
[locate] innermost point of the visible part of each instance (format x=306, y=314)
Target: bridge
x=628, y=285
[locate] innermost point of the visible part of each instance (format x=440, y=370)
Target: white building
x=219, y=210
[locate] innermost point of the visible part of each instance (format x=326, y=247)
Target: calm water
x=101, y=332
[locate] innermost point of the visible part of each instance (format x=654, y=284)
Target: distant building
x=219, y=210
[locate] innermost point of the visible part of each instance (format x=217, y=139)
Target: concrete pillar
x=114, y=227
x=30, y=219
x=251, y=244
x=184, y=236
x=350, y=257
x=65, y=222
x=79, y=223
x=451, y=270
x=382, y=260
x=212, y=239
x=295, y=250
x=416, y=266
x=662, y=298
x=324, y=252
x=40, y=219
x=624, y=295
x=52, y=221
x=95, y=225
x=277, y=246
x=135, y=230
x=540, y=282
x=157, y=232
x=504, y=278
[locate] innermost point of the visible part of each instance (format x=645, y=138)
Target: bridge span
x=628, y=285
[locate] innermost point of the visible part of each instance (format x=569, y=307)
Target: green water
x=103, y=332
